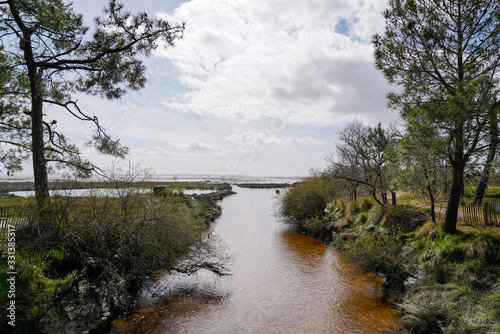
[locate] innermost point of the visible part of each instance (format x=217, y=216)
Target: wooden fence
x=487, y=214
x=12, y=216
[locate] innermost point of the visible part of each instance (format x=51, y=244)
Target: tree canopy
x=445, y=56
x=47, y=55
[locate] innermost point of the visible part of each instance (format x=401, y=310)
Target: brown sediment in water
x=283, y=282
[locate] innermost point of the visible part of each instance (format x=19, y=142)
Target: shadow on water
x=283, y=282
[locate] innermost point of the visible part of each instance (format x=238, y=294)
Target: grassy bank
x=84, y=263
x=439, y=283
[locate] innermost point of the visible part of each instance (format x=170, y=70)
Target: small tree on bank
x=362, y=160
x=50, y=55
x=445, y=56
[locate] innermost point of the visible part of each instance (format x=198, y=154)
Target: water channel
x=282, y=282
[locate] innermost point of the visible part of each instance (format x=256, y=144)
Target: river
x=282, y=282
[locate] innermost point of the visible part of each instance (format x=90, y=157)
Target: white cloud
x=245, y=60
x=198, y=148
x=264, y=86
x=262, y=139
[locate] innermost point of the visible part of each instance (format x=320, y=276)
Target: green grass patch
x=442, y=283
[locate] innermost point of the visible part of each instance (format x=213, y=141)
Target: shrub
x=404, y=218
x=353, y=209
x=336, y=209
x=88, y=257
x=382, y=254
x=318, y=229
x=376, y=215
x=366, y=204
x=308, y=198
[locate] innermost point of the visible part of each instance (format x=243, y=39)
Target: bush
x=404, y=218
x=383, y=254
x=353, y=209
x=86, y=260
x=366, y=204
x=318, y=229
x=307, y=199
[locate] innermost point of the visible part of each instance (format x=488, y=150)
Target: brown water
x=283, y=282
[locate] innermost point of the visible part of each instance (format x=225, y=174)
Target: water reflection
x=283, y=282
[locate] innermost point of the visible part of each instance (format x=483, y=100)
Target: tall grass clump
x=84, y=262
x=457, y=290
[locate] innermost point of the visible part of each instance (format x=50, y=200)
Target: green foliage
x=442, y=283
x=89, y=257
x=45, y=41
x=404, y=218
x=382, y=254
x=366, y=204
x=426, y=49
x=36, y=293
x=493, y=192
x=308, y=198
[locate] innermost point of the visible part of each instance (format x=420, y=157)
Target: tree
x=51, y=55
x=362, y=159
x=445, y=56
x=490, y=158
x=346, y=164
x=422, y=157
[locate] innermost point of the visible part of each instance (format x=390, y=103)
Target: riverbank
x=282, y=282
x=439, y=283
x=82, y=266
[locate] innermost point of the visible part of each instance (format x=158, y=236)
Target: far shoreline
x=12, y=186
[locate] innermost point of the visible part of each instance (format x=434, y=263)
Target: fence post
x=486, y=208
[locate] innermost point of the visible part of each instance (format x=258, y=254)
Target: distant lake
x=107, y=192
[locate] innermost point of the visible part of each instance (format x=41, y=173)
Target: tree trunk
x=431, y=195
x=39, y=161
x=393, y=197
x=483, y=182
x=38, y=146
x=374, y=195
x=383, y=194
x=481, y=186
x=450, y=220
x=433, y=204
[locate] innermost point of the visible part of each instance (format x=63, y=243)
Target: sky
x=254, y=87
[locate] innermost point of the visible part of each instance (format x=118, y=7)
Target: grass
x=440, y=283
x=86, y=260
